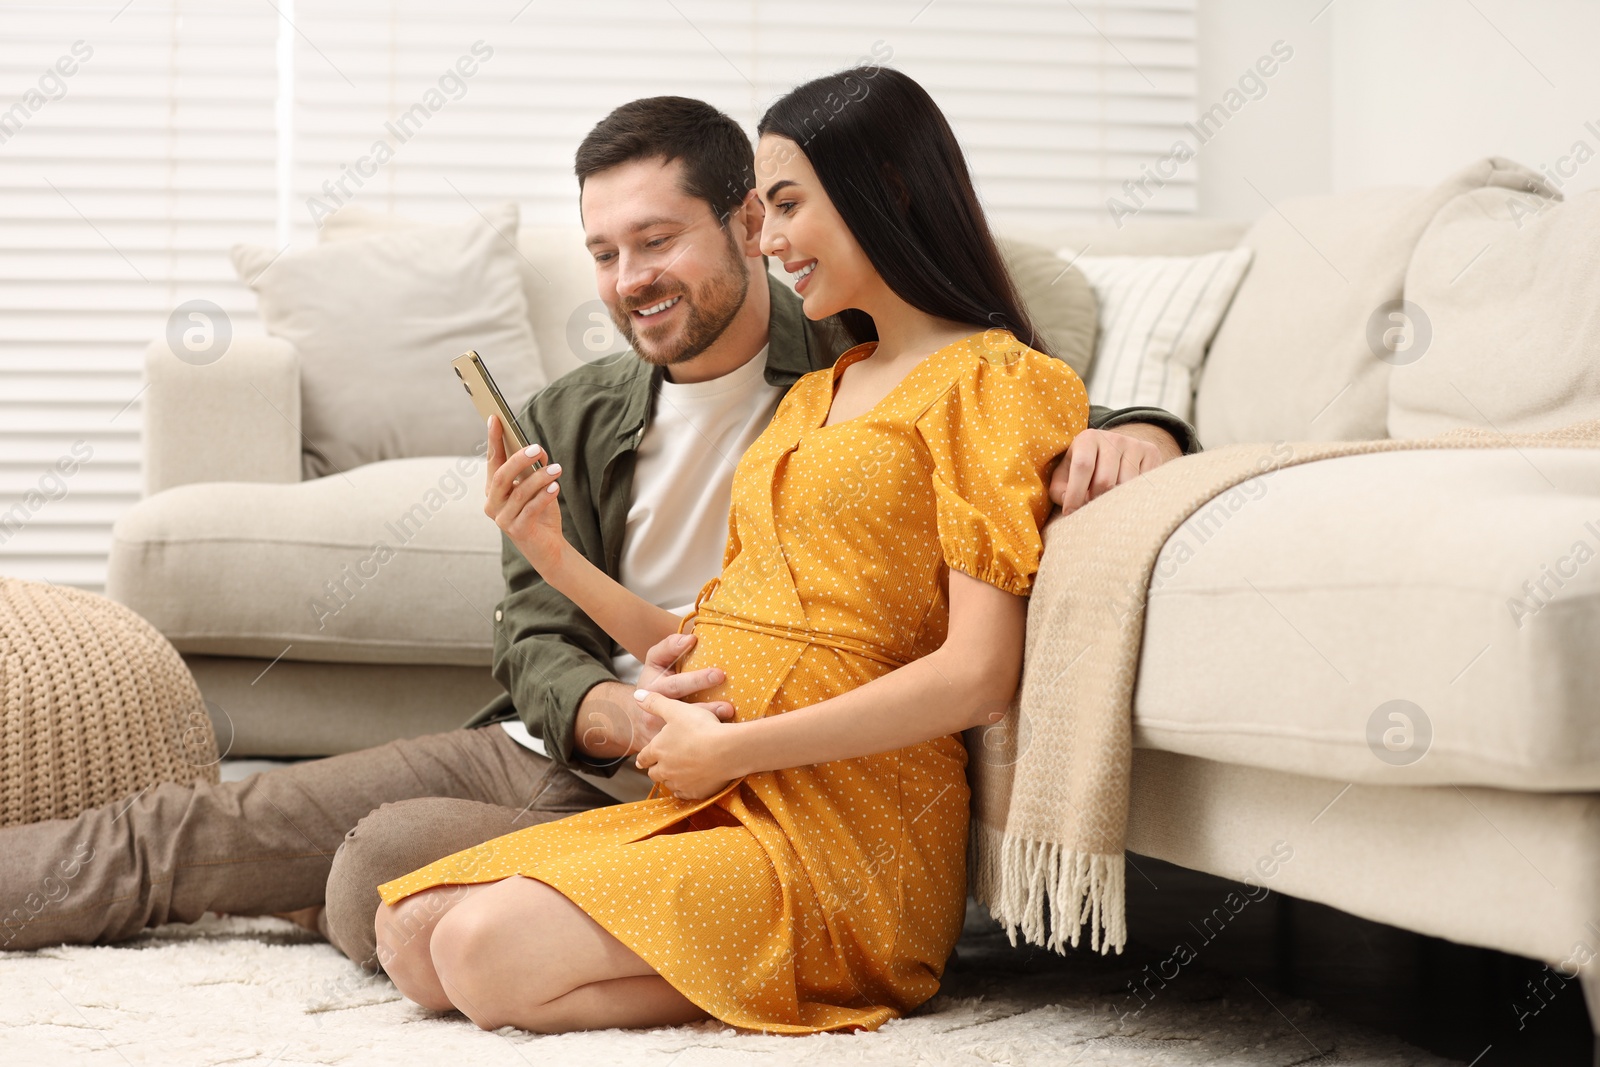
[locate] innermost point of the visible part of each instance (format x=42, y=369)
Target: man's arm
x=1141, y=421
x=1166, y=447
x=549, y=655
x=1119, y=445
x=555, y=661
x=587, y=718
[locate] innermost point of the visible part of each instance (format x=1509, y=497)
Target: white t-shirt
x=678, y=524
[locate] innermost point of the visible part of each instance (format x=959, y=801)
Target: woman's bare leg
x=405, y=931
x=518, y=953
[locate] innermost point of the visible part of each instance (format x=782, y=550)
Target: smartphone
x=486, y=398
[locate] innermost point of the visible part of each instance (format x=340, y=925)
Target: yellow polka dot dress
x=829, y=896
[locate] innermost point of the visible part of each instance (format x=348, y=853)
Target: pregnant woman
x=801, y=868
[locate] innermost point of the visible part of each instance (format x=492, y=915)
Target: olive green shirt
x=547, y=653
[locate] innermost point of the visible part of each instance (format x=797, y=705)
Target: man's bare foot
x=311, y=918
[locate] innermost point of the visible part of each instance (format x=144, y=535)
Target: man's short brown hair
x=718, y=163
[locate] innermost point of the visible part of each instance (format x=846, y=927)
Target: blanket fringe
x=1017, y=879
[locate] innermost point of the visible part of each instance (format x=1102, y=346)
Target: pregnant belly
x=767, y=674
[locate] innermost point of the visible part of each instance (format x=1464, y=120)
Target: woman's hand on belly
x=690, y=755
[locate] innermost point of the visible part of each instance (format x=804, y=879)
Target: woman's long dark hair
x=892, y=167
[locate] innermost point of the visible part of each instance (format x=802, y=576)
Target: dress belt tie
x=788, y=633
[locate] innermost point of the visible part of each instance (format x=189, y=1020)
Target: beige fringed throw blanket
x=1050, y=784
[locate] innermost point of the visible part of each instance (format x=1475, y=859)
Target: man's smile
x=655, y=310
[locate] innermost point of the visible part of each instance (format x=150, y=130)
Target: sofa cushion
x=1157, y=315
x=1509, y=284
x=556, y=274
x=377, y=319
x=1289, y=615
x=1292, y=361
x=1058, y=300
x=391, y=562
x=569, y=320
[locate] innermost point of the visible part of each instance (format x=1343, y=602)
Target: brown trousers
x=326, y=831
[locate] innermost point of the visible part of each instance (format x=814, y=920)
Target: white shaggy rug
x=262, y=991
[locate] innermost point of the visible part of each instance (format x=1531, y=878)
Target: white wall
x=1281, y=143
x=1382, y=93
x=1424, y=87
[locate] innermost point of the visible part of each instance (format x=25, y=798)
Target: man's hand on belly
x=610, y=722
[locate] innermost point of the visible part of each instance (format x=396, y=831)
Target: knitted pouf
x=95, y=705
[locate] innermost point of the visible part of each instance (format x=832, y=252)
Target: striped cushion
x=1157, y=316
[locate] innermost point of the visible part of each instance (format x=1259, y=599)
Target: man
x=648, y=442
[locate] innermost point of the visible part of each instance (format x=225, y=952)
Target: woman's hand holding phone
x=522, y=500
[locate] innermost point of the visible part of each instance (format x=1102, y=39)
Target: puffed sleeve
x=993, y=439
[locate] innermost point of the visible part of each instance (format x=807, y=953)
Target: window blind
x=1057, y=104
x=197, y=124
x=136, y=145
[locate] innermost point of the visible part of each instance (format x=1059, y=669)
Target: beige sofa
x=1281, y=627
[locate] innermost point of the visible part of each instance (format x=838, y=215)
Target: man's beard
x=709, y=312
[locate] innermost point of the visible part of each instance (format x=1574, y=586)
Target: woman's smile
x=802, y=273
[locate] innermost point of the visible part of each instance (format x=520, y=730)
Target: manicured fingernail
x=640, y=694
x=550, y=488
x=554, y=468
x=531, y=451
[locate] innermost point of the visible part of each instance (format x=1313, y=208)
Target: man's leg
x=400, y=837
x=253, y=847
